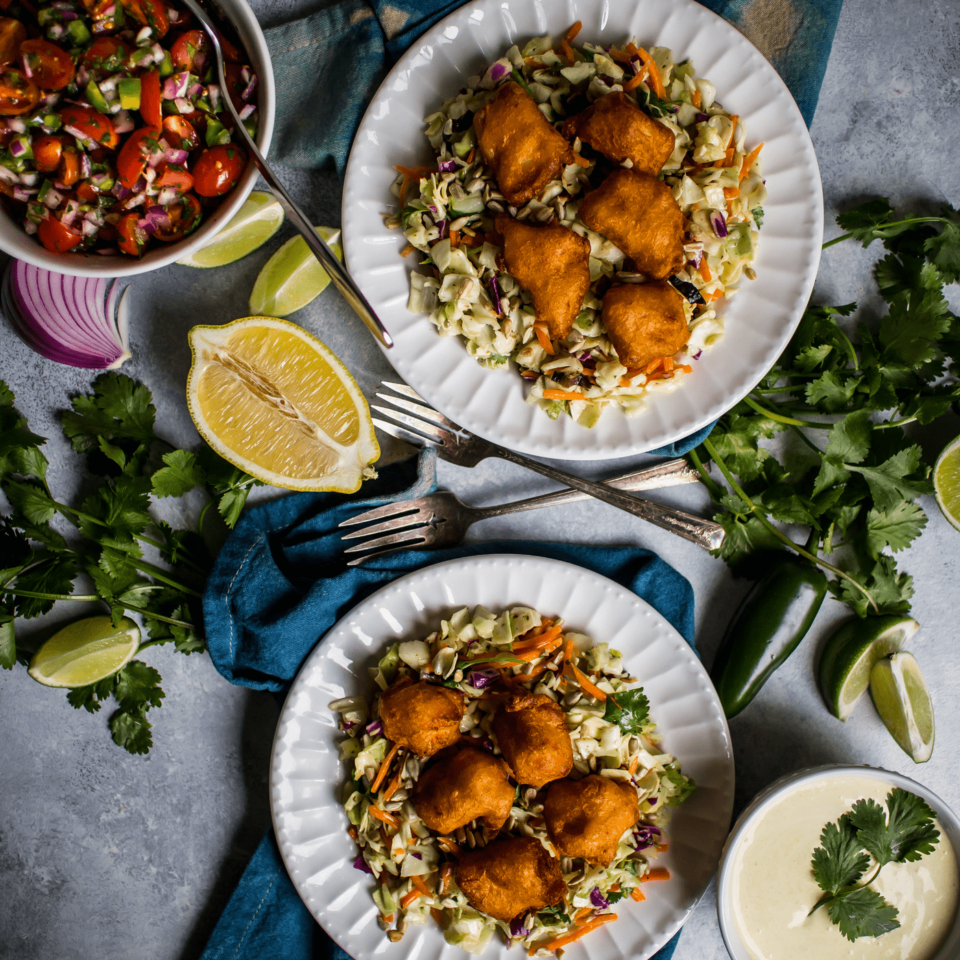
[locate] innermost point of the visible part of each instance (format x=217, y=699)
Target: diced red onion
x=247, y=110
x=123, y=122
x=19, y=193
x=246, y=74
x=66, y=319
x=55, y=31
x=81, y=137
x=70, y=212
x=30, y=227
x=107, y=251
x=361, y=864
x=176, y=86
x=498, y=71
x=447, y=166
x=498, y=306
x=175, y=155
x=17, y=148
x=51, y=99
x=718, y=223
x=52, y=199
x=598, y=899
x=195, y=89
x=16, y=124
x=154, y=218
x=183, y=105
x=173, y=15
x=94, y=216
x=68, y=15
x=120, y=191
x=213, y=94
x=249, y=88
x=89, y=229
x=7, y=175
x=85, y=167
x=27, y=71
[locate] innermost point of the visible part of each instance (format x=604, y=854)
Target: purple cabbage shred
x=361, y=864
x=496, y=296
x=718, y=223
x=375, y=727
x=646, y=837
x=498, y=71
x=447, y=166
x=701, y=117
x=517, y=929
x=598, y=899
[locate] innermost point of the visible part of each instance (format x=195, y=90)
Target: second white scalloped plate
x=759, y=321
x=306, y=775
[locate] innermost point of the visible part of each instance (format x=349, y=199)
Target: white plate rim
x=492, y=405
x=477, y=567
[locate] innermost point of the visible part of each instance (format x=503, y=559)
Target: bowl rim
x=20, y=246
x=949, y=821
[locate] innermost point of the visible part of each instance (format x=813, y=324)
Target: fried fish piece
x=637, y=212
x=616, y=127
x=553, y=263
x=423, y=717
x=531, y=731
x=644, y=321
x=519, y=143
x=470, y=784
x=507, y=878
x=586, y=818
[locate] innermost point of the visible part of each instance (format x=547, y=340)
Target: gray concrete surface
x=104, y=856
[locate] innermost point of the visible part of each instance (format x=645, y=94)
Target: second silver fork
x=441, y=519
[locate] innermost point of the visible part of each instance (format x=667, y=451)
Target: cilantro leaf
x=849, y=439
x=31, y=500
x=119, y=407
x=89, y=697
x=680, y=788
x=890, y=589
x=839, y=861
x=54, y=575
x=867, y=221
x=890, y=482
x=912, y=829
x=895, y=529
x=944, y=249
x=863, y=913
x=131, y=730
x=181, y=474
x=629, y=709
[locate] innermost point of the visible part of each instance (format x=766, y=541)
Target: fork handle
x=667, y=474
x=705, y=533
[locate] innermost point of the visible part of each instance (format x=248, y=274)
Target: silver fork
x=459, y=446
x=441, y=519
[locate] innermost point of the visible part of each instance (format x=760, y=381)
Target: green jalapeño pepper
x=773, y=618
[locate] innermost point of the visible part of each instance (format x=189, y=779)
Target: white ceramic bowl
x=948, y=820
x=14, y=241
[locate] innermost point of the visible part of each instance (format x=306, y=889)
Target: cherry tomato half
x=184, y=218
x=49, y=67
x=150, y=99
x=230, y=53
x=130, y=160
x=218, y=169
x=150, y=13
x=46, y=153
x=58, y=237
x=107, y=54
x=179, y=133
x=235, y=84
x=174, y=175
x=93, y=125
x=132, y=237
x=18, y=94
x=86, y=193
x=190, y=51
x=68, y=172
x=12, y=34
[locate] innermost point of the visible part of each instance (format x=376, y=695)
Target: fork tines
x=428, y=426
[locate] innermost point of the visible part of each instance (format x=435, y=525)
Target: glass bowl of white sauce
x=766, y=888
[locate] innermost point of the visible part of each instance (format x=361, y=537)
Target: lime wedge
x=946, y=482
x=903, y=702
x=849, y=655
x=85, y=652
x=258, y=220
x=292, y=277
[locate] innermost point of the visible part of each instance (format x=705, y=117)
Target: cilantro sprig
x=869, y=834
x=839, y=397
x=107, y=534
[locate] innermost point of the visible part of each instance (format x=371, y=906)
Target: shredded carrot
x=635, y=81
x=437, y=916
x=660, y=375
x=586, y=684
x=573, y=31
x=734, y=119
x=388, y=918
x=667, y=364
x=662, y=847
x=705, y=270
x=685, y=367
x=545, y=639
x=408, y=898
x=562, y=395
x=657, y=873
x=407, y=250
x=583, y=161
x=352, y=833
x=615, y=888
x=471, y=155
x=544, y=339
x=655, y=81
x=716, y=295
x=727, y=160
x=620, y=55
x=582, y=931
x=568, y=51
x=533, y=673
x=653, y=365
x=637, y=894
x=418, y=172
x=384, y=767
x=632, y=769
x=420, y=885
x=697, y=101
x=387, y=818
x=394, y=784
x=445, y=874
x=731, y=193
x=581, y=913
x=454, y=237
x=449, y=846
x=748, y=161
x=567, y=651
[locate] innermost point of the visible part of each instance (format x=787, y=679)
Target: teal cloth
x=279, y=584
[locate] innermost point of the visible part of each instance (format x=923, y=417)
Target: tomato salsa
x=113, y=133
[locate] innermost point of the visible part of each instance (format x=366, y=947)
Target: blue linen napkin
x=279, y=584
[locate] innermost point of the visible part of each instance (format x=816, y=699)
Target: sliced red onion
x=361, y=864
x=598, y=899
x=66, y=319
x=249, y=88
x=447, y=166
x=247, y=110
x=176, y=86
x=495, y=289
x=27, y=70
x=718, y=223
x=17, y=148
x=7, y=175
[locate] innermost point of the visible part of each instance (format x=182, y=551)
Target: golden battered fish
x=423, y=717
x=644, y=321
x=531, y=732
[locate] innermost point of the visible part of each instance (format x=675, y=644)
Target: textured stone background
x=104, y=856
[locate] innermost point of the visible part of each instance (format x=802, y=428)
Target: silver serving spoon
x=338, y=273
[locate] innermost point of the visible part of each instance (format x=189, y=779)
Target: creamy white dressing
x=773, y=888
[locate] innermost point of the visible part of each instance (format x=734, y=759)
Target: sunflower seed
x=460, y=835
x=402, y=926
x=471, y=839
x=382, y=923
x=529, y=794
x=394, y=936
x=495, y=206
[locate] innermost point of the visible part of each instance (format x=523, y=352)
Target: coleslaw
x=449, y=217
x=611, y=734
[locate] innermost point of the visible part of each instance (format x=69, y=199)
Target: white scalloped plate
x=306, y=775
x=759, y=321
